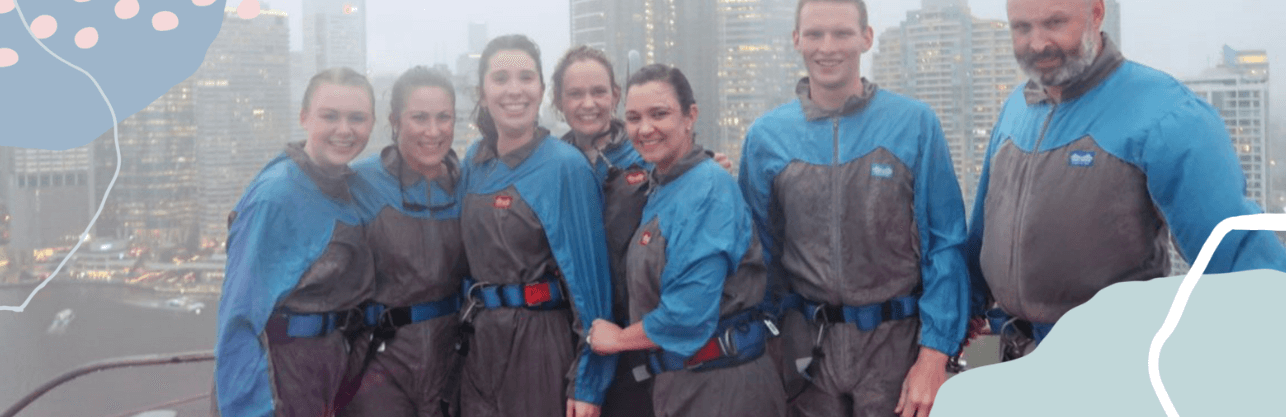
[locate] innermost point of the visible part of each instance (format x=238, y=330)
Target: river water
x=109, y=321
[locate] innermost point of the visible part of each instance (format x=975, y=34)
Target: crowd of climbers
x=620, y=270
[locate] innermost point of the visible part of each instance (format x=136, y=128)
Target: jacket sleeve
x=755, y=181
x=702, y=249
x=573, y=222
x=266, y=255
x=979, y=292
x=939, y=213
x=1195, y=178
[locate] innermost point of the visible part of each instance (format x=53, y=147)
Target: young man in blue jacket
x=862, y=221
x=1091, y=166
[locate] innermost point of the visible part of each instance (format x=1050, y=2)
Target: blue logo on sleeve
x=1081, y=159
x=881, y=171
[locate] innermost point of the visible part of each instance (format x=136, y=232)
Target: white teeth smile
x=588, y=117
x=515, y=107
x=342, y=143
x=828, y=62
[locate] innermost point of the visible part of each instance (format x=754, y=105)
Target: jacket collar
x=1107, y=61
x=487, y=149
x=814, y=112
x=333, y=182
x=685, y=163
x=393, y=162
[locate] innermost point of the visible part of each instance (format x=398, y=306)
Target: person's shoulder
x=791, y=111
x=1148, y=85
x=555, y=151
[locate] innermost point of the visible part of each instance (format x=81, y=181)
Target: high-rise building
x=758, y=66
x=1112, y=20
x=45, y=196
x=241, y=97
x=1238, y=88
x=334, y=35
x=961, y=66
x=188, y=156
x=675, y=32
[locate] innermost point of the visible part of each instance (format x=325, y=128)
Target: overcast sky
x=1182, y=37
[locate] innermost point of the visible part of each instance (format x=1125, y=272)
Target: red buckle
x=537, y=293
x=708, y=352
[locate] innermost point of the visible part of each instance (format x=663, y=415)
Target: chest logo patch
x=503, y=202
x=881, y=171
x=635, y=177
x=1081, y=159
x=647, y=238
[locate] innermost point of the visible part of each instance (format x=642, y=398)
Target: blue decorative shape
x=47, y=104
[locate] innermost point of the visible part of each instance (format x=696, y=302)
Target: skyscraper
x=241, y=98
x=46, y=194
x=961, y=66
x=188, y=156
x=334, y=35
x=758, y=66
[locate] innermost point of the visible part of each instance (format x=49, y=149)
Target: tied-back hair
x=578, y=54
x=344, y=76
x=411, y=80
x=671, y=76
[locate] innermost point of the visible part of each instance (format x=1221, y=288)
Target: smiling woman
x=297, y=264
x=532, y=227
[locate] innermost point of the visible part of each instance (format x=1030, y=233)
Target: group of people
x=620, y=270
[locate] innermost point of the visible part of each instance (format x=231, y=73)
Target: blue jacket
x=695, y=246
x=1080, y=194
x=284, y=223
x=553, y=181
x=873, y=206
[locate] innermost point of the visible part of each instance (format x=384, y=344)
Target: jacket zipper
x=837, y=264
x=1020, y=212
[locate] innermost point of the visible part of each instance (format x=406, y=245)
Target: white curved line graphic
x=1275, y=222
x=115, y=140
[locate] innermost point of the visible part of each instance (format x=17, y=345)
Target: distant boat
x=61, y=320
x=185, y=304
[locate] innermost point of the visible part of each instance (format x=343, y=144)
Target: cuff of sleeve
x=597, y=374
x=941, y=344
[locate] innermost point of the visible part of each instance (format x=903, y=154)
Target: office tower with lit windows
x=188, y=156
x=334, y=35
x=758, y=65
x=961, y=66
x=45, y=197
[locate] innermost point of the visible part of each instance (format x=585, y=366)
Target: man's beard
x=1073, y=65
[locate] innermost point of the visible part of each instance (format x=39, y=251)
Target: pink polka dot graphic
x=6, y=6
x=44, y=26
x=86, y=38
x=202, y=2
x=126, y=9
x=81, y=1
x=248, y=9
x=164, y=21
x=8, y=57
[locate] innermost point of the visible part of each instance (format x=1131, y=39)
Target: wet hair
x=344, y=76
x=578, y=54
x=861, y=10
x=515, y=42
x=411, y=80
x=669, y=75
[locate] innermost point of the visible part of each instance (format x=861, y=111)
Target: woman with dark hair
x=298, y=267
x=696, y=244
x=533, y=233
x=414, y=237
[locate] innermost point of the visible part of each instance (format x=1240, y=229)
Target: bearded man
x=1091, y=167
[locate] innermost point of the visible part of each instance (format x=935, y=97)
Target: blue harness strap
x=401, y=316
x=544, y=294
x=865, y=317
x=317, y=324
x=738, y=338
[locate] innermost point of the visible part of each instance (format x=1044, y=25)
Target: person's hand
x=603, y=337
x=978, y=326
x=922, y=383
x=581, y=409
x=723, y=161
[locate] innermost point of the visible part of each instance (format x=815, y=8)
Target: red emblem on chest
x=635, y=178
x=647, y=238
x=503, y=202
